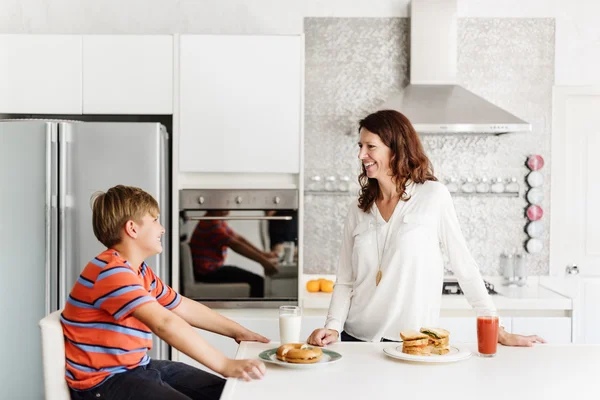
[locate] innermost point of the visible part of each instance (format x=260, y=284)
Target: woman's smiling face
x=374, y=155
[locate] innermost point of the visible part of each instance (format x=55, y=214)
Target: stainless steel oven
x=239, y=247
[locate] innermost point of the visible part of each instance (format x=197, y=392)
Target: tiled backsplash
x=354, y=64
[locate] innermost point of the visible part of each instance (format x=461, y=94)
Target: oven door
x=239, y=248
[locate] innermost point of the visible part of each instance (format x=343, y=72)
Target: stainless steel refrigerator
x=48, y=172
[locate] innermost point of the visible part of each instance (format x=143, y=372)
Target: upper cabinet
x=240, y=103
x=127, y=74
x=40, y=74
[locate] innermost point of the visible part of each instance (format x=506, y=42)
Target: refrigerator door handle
x=63, y=146
x=162, y=349
x=51, y=264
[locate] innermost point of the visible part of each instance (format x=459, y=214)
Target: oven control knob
x=238, y=200
x=201, y=200
x=276, y=199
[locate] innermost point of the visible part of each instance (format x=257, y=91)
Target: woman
x=390, y=270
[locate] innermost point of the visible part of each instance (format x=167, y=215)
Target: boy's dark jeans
x=164, y=380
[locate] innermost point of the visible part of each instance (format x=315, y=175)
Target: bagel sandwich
x=299, y=353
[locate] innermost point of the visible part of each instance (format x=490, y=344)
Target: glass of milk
x=290, y=319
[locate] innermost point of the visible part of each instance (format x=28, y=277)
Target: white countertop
x=535, y=296
x=544, y=372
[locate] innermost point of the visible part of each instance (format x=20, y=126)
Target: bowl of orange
x=319, y=285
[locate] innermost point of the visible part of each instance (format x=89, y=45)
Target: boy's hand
x=244, y=369
x=270, y=267
x=249, y=336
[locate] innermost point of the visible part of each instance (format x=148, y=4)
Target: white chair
x=193, y=289
x=53, y=358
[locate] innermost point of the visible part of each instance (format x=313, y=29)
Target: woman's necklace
x=380, y=258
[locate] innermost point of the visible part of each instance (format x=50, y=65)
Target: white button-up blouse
x=409, y=294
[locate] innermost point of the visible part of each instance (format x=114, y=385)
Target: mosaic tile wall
x=354, y=64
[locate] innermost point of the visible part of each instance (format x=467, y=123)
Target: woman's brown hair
x=408, y=161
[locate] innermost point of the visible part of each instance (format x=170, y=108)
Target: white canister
x=535, y=196
x=534, y=246
x=535, y=179
x=535, y=229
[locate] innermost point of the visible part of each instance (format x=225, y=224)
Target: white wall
x=577, y=28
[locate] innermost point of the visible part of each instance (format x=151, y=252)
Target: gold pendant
x=378, y=278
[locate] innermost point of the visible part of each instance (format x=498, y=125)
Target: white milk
x=289, y=328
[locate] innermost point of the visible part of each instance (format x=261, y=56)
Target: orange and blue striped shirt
x=209, y=244
x=102, y=338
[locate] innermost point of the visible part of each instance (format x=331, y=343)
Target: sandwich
x=438, y=340
x=415, y=343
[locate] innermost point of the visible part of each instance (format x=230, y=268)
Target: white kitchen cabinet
x=127, y=74
x=591, y=310
x=552, y=329
x=40, y=74
x=464, y=329
x=240, y=103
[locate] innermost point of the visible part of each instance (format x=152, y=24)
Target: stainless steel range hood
x=433, y=101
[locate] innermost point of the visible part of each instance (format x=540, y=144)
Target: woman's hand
x=244, y=369
x=322, y=337
x=509, y=339
x=249, y=336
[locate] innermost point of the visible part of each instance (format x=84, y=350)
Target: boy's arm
x=178, y=333
x=200, y=316
x=241, y=246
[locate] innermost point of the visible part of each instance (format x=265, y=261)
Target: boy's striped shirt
x=102, y=338
x=209, y=244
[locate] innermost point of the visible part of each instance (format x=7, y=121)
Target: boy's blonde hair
x=111, y=210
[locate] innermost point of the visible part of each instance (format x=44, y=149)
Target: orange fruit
x=326, y=286
x=313, y=286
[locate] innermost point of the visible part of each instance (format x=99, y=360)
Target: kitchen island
x=365, y=372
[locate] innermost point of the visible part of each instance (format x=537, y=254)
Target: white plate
x=455, y=354
x=329, y=357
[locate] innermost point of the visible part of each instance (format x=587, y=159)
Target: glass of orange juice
x=487, y=332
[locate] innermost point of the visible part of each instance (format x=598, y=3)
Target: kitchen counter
x=534, y=296
x=544, y=371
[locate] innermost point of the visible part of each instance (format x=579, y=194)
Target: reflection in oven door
x=239, y=245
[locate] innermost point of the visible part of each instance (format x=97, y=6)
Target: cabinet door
x=240, y=103
x=464, y=329
x=591, y=305
x=552, y=329
x=127, y=74
x=575, y=171
x=40, y=74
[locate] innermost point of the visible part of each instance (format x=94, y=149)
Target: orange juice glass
x=487, y=333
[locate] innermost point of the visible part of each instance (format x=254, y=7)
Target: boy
x=118, y=302
x=209, y=244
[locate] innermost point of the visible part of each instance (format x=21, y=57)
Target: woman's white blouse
x=410, y=291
